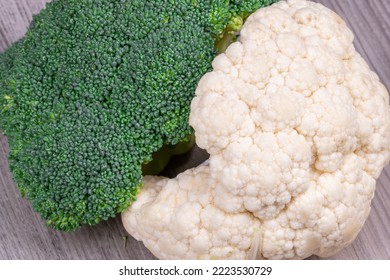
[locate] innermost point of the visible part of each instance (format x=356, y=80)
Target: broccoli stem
x=223, y=43
x=161, y=158
x=229, y=34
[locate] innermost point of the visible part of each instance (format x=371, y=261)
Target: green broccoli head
x=94, y=89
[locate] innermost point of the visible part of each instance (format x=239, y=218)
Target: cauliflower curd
x=298, y=131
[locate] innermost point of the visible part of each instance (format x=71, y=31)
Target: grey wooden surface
x=23, y=235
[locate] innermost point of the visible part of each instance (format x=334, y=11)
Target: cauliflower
x=298, y=131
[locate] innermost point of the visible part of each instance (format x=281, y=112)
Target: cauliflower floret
x=243, y=171
x=177, y=218
x=298, y=130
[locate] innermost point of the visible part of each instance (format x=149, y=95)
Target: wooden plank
x=15, y=17
x=23, y=235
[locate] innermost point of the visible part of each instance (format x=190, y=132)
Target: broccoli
x=96, y=89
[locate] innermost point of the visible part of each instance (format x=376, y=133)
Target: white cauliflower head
x=298, y=131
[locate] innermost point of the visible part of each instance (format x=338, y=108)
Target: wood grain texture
x=15, y=16
x=23, y=235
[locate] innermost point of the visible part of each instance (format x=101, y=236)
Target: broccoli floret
x=96, y=88
x=7, y=60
